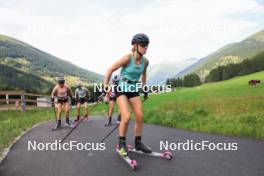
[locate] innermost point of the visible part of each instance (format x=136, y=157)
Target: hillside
x=25, y=58
x=18, y=80
x=231, y=53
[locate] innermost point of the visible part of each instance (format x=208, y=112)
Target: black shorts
x=127, y=94
x=62, y=100
x=112, y=98
x=82, y=100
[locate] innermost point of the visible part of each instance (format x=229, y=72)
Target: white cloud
x=93, y=35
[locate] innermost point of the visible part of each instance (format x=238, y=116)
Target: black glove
x=52, y=102
x=73, y=99
x=145, y=95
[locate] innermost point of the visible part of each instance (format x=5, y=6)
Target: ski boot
x=140, y=146
x=58, y=125
x=67, y=122
x=108, y=122
x=118, y=120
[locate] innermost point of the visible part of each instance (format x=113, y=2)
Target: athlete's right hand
x=52, y=99
x=145, y=95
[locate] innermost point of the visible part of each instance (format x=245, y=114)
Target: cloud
x=95, y=34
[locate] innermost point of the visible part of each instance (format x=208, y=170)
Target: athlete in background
x=63, y=95
x=82, y=96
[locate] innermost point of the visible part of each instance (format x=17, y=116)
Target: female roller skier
x=62, y=92
x=111, y=99
x=82, y=96
x=133, y=66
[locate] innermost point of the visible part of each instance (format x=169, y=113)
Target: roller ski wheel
x=132, y=163
x=167, y=155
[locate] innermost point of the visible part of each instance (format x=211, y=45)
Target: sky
x=95, y=34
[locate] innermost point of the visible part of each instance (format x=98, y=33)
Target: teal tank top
x=131, y=72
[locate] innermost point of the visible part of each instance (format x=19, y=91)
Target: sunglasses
x=143, y=45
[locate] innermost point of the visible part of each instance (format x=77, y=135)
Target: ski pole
x=117, y=125
x=114, y=128
x=54, y=109
x=75, y=126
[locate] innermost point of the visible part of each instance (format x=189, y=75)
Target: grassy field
x=230, y=107
x=14, y=122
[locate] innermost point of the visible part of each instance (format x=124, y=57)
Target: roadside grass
x=14, y=122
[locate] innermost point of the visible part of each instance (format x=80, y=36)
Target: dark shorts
x=82, y=100
x=112, y=98
x=62, y=100
x=127, y=94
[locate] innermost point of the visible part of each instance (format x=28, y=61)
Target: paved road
x=247, y=160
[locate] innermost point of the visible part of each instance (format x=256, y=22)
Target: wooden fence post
x=7, y=99
x=23, y=102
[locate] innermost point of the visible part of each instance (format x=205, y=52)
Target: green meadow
x=230, y=107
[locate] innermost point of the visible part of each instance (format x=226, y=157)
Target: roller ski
x=108, y=124
x=60, y=126
x=74, y=123
x=124, y=154
x=82, y=119
x=145, y=150
x=86, y=118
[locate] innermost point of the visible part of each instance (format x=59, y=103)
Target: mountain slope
x=18, y=80
x=25, y=58
x=231, y=53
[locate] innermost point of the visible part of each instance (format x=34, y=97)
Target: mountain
x=158, y=73
x=22, y=59
x=18, y=80
x=231, y=53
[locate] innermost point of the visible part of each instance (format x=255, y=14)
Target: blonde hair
x=134, y=48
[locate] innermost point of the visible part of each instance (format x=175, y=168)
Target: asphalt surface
x=247, y=160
